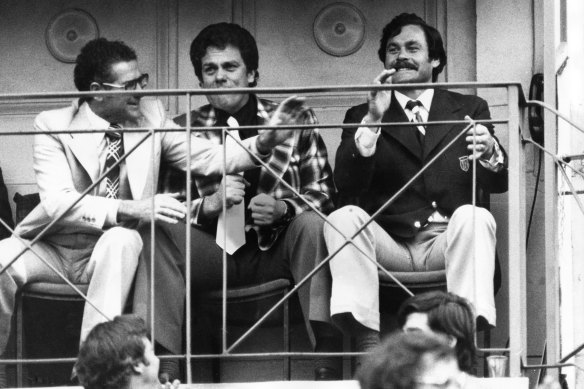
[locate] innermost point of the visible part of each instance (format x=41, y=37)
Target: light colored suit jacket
x=66, y=164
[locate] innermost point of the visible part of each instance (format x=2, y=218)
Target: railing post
x=517, y=252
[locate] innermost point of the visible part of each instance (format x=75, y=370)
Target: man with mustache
x=94, y=238
x=282, y=233
x=432, y=224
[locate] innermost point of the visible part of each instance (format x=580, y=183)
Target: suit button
x=434, y=205
x=417, y=224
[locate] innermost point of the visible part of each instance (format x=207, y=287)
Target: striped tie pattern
x=414, y=107
x=114, y=151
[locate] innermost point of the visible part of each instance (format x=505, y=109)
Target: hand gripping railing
x=516, y=195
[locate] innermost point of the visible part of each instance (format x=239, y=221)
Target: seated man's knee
x=347, y=218
x=9, y=249
x=467, y=213
x=122, y=238
x=308, y=223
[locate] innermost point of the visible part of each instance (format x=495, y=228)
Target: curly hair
x=94, y=62
x=397, y=361
x=107, y=356
x=221, y=35
x=448, y=314
x=433, y=38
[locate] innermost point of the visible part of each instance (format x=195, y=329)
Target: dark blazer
x=445, y=185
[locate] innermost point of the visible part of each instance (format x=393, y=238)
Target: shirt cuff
x=253, y=147
x=366, y=139
x=497, y=160
x=196, y=207
x=111, y=213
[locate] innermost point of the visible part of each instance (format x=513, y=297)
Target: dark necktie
x=414, y=107
x=114, y=151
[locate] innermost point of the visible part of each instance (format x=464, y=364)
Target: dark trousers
x=296, y=252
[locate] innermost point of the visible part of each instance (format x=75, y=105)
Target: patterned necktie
x=414, y=107
x=114, y=151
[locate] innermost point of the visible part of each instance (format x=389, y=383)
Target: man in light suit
x=432, y=224
x=93, y=239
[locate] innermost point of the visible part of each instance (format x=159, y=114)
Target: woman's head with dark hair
x=115, y=352
x=434, y=42
x=220, y=36
x=443, y=313
x=94, y=62
x=409, y=361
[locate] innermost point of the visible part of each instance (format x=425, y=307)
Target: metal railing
x=516, y=208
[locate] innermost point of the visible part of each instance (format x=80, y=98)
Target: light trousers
x=107, y=261
x=465, y=247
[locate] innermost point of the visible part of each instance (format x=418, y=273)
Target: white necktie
x=232, y=220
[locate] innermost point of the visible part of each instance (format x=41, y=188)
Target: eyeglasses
x=132, y=84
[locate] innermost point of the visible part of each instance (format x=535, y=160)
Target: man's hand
x=266, y=210
x=167, y=385
x=234, y=185
x=485, y=143
x=166, y=209
x=379, y=100
x=288, y=112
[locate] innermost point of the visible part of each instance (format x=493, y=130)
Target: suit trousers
x=107, y=261
x=465, y=247
x=294, y=254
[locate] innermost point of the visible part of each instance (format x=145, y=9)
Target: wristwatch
x=289, y=214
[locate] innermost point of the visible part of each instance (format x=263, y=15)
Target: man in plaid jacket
x=282, y=233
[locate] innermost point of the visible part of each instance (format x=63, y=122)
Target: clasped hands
x=379, y=101
x=265, y=210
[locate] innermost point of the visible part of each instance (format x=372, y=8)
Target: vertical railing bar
x=188, y=311
x=516, y=227
x=152, y=244
x=473, y=215
x=224, y=256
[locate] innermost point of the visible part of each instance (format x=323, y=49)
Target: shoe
x=326, y=374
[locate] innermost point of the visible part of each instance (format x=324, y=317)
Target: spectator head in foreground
x=407, y=360
x=446, y=314
x=118, y=355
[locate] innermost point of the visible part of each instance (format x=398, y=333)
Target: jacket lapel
x=443, y=107
x=85, y=145
x=406, y=135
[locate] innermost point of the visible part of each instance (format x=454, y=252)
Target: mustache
x=405, y=65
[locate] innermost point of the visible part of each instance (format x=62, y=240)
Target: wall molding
x=31, y=107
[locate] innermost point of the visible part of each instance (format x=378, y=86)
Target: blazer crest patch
x=464, y=163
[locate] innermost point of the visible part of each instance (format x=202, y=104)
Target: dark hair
x=396, y=362
x=449, y=314
x=221, y=35
x=94, y=62
x=433, y=38
x=106, y=358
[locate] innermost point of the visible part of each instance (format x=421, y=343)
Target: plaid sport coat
x=301, y=161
